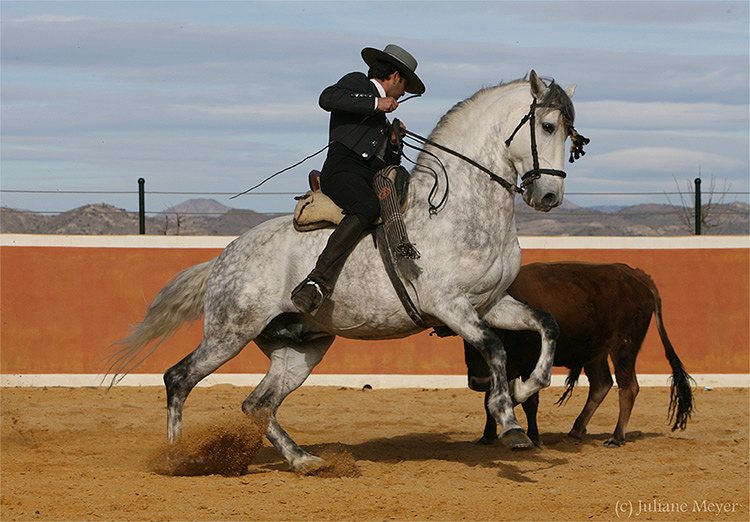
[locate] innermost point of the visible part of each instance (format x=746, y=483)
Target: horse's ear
x=538, y=88
x=570, y=89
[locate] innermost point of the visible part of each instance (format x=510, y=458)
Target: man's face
x=395, y=85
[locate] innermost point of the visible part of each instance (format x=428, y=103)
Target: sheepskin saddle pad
x=315, y=210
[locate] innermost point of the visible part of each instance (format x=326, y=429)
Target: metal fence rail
x=142, y=212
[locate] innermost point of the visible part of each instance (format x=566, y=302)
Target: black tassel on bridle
x=577, y=141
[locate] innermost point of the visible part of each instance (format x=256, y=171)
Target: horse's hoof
x=515, y=390
x=308, y=465
x=520, y=390
x=516, y=440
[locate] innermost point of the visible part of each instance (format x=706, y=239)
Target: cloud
x=216, y=95
x=661, y=159
x=622, y=114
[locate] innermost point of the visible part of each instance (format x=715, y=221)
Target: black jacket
x=355, y=123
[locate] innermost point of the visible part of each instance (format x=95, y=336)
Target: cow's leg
x=627, y=383
x=478, y=373
x=490, y=426
x=530, y=408
x=600, y=381
x=509, y=314
x=479, y=380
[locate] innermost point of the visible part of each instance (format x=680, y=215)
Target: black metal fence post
x=141, y=206
x=698, y=206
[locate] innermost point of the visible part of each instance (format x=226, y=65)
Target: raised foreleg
x=508, y=314
x=461, y=317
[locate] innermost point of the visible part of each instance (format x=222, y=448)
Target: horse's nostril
x=549, y=200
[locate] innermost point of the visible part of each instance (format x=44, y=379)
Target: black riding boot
x=310, y=293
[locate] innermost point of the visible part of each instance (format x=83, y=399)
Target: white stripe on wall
x=731, y=380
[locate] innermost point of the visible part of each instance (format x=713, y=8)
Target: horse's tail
x=178, y=302
x=681, y=393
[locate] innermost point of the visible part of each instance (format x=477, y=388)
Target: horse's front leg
x=508, y=314
x=461, y=317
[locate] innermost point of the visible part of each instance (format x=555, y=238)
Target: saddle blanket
x=315, y=210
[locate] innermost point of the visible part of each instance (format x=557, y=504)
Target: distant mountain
x=211, y=218
x=103, y=219
x=607, y=208
x=199, y=206
x=98, y=218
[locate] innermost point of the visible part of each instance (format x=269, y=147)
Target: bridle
x=535, y=173
x=576, y=151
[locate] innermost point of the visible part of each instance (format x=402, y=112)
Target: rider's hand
x=387, y=104
x=402, y=132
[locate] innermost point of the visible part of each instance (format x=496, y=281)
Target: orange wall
x=62, y=306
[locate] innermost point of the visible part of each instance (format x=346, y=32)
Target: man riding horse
x=243, y=294
x=360, y=145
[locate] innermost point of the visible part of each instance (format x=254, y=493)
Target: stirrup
x=303, y=301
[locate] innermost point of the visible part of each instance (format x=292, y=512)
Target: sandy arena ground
x=83, y=454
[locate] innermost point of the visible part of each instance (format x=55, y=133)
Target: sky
x=208, y=98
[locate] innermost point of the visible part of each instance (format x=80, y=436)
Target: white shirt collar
x=381, y=91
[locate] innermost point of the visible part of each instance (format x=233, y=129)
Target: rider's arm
x=352, y=93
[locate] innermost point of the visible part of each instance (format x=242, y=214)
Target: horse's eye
x=548, y=127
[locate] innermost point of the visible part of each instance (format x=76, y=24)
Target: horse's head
x=539, y=156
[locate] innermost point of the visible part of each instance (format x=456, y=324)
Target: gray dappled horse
x=470, y=255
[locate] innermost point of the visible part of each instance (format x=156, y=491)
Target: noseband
x=576, y=147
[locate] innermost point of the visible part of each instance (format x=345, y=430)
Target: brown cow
x=602, y=310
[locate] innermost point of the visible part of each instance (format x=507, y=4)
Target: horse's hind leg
x=181, y=378
x=291, y=364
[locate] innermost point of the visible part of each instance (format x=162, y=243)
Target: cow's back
x=597, y=306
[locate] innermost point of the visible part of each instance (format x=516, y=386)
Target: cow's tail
x=178, y=302
x=681, y=393
x=570, y=382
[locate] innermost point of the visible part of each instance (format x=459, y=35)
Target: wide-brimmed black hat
x=401, y=59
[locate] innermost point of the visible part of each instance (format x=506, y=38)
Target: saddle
x=315, y=210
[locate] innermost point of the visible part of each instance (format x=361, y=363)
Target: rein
x=494, y=177
x=576, y=151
